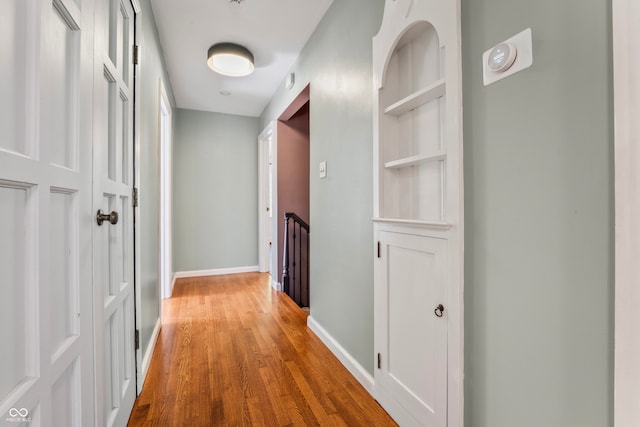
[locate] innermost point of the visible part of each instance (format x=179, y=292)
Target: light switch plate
x=323, y=169
x=524, y=58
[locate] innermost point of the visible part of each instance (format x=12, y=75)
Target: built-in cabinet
x=418, y=227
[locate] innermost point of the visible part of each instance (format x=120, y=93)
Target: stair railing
x=295, y=259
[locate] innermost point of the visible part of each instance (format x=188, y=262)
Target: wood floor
x=233, y=352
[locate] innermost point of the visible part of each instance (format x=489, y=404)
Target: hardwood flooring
x=233, y=352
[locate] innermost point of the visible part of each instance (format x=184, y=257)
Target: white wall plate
x=524, y=58
x=322, y=169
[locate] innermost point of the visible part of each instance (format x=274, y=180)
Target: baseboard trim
x=173, y=284
x=349, y=362
x=276, y=285
x=216, y=272
x=146, y=360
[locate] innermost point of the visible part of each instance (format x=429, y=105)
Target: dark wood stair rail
x=294, y=283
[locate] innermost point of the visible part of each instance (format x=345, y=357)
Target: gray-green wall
x=152, y=69
x=539, y=218
x=215, y=192
x=337, y=62
x=538, y=206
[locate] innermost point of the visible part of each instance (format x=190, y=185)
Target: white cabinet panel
x=59, y=99
x=64, y=284
x=13, y=41
x=13, y=322
x=410, y=284
x=66, y=389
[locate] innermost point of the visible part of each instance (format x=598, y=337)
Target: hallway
x=234, y=352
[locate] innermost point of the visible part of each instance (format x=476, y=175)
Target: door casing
x=164, y=133
x=626, y=72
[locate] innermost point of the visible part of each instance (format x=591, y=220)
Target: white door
x=267, y=203
x=46, y=369
x=112, y=193
x=411, y=380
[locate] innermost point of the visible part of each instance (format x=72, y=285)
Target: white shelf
x=416, y=99
x=416, y=222
x=414, y=160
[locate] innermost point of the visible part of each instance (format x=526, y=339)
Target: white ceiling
x=275, y=31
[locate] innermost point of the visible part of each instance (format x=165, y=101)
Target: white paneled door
x=112, y=201
x=411, y=323
x=46, y=369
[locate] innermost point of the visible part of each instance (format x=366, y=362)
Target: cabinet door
x=410, y=337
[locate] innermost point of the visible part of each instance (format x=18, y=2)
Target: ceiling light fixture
x=230, y=59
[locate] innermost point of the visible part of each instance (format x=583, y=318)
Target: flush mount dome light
x=230, y=59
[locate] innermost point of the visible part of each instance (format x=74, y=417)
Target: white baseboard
x=216, y=272
x=276, y=285
x=343, y=356
x=146, y=360
x=173, y=284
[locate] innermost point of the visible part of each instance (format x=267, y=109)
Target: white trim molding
x=173, y=283
x=349, y=362
x=626, y=66
x=216, y=272
x=146, y=360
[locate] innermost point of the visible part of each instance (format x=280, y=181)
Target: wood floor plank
x=233, y=352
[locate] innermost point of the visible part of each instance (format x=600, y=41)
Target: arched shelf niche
x=411, y=121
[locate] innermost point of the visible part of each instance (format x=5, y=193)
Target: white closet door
x=46, y=374
x=112, y=188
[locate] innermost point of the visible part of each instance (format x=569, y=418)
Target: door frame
x=269, y=132
x=137, y=257
x=626, y=69
x=165, y=128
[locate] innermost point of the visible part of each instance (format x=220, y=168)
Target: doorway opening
x=267, y=203
x=293, y=198
x=284, y=176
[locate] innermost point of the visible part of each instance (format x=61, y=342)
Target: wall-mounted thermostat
x=508, y=57
x=501, y=57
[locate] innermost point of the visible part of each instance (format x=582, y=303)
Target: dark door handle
x=102, y=217
x=439, y=310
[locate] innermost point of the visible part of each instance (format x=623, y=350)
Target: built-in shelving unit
x=414, y=160
x=417, y=99
x=418, y=213
x=411, y=116
x=424, y=224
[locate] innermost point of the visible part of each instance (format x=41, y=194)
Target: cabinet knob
x=439, y=310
